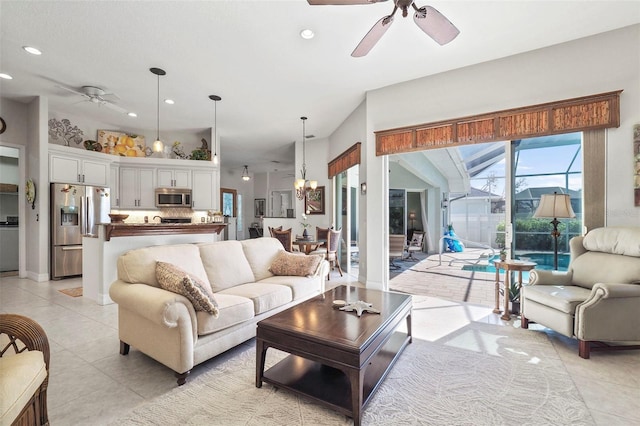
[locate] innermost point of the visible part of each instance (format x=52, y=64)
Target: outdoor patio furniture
x=415, y=245
x=396, y=249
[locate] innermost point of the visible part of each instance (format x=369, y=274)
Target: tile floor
x=91, y=384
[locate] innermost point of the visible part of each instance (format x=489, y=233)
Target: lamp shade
x=554, y=206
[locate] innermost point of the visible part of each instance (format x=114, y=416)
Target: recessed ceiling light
x=307, y=34
x=5, y=76
x=169, y=101
x=132, y=114
x=32, y=50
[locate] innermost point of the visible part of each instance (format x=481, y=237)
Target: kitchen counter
x=140, y=229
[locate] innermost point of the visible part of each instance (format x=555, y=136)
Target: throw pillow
x=176, y=280
x=298, y=265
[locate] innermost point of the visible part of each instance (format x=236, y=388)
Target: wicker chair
x=20, y=335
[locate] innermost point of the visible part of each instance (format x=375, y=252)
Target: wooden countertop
x=140, y=229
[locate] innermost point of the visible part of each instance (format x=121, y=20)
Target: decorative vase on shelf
x=305, y=234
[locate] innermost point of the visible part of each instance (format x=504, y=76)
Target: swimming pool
x=543, y=261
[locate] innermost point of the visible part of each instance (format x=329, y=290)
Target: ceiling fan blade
x=435, y=24
x=71, y=90
x=372, y=37
x=114, y=107
x=341, y=2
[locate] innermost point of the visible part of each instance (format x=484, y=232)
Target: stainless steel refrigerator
x=76, y=210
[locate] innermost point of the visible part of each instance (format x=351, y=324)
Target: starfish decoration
x=359, y=307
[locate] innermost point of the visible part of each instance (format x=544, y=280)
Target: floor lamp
x=556, y=206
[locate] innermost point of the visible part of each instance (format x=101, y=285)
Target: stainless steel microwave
x=173, y=197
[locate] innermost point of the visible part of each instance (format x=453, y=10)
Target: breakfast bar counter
x=100, y=255
x=140, y=229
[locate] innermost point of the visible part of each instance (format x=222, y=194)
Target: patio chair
x=416, y=245
x=396, y=249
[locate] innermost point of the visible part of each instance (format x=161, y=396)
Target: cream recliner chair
x=598, y=299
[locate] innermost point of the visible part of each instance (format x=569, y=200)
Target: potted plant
x=514, y=297
x=503, y=254
x=305, y=225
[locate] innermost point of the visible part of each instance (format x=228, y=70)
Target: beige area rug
x=73, y=292
x=479, y=375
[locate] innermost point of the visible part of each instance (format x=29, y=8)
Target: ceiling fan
x=427, y=18
x=95, y=95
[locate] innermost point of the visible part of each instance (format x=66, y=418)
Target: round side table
x=508, y=266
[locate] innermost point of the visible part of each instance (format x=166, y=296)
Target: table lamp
x=556, y=206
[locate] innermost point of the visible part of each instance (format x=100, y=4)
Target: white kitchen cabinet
x=114, y=186
x=204, y=184
x=173, y=178
x=137, y=188
x=65, y=168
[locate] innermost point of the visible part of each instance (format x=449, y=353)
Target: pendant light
x=303, y=185
x=245, y=174
x=158, y=146
x=215, y=99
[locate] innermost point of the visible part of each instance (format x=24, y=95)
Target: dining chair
x=279, y=228
x=322, y=234
x=331, y=251
x=285, y=237
x=396, y=249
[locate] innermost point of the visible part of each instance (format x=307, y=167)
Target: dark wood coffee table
x=336, y=358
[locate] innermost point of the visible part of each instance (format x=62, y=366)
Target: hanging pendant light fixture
x=245, y=174
x=215, y=99
x=303, y=185
x=158, y=146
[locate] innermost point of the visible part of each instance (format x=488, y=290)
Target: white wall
x=578, y=68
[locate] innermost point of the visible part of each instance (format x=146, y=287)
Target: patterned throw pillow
x=298, y=265
x=176, y=280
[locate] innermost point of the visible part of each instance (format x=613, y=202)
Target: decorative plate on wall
x=30, y=189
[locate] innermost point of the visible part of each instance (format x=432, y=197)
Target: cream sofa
x=597, y=300
x=166, y=327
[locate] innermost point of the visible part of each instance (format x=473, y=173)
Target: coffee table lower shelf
x=331, y=386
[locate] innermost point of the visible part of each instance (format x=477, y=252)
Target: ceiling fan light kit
x=427, y=18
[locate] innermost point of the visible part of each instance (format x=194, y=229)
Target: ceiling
x=250, y=53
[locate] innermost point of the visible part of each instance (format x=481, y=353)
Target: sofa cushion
x=176, y=280
x=562, y=298
x=139, y=265
x=301, y=287
x=233, y=310
x=225, y=264
x=298, y=265
x=615, y=240
x=260, y=253
x=264, y=296
x=21, y=375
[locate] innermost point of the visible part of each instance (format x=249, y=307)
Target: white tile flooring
x=91, y=384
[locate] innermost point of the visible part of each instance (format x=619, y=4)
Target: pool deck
x=443, y=277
